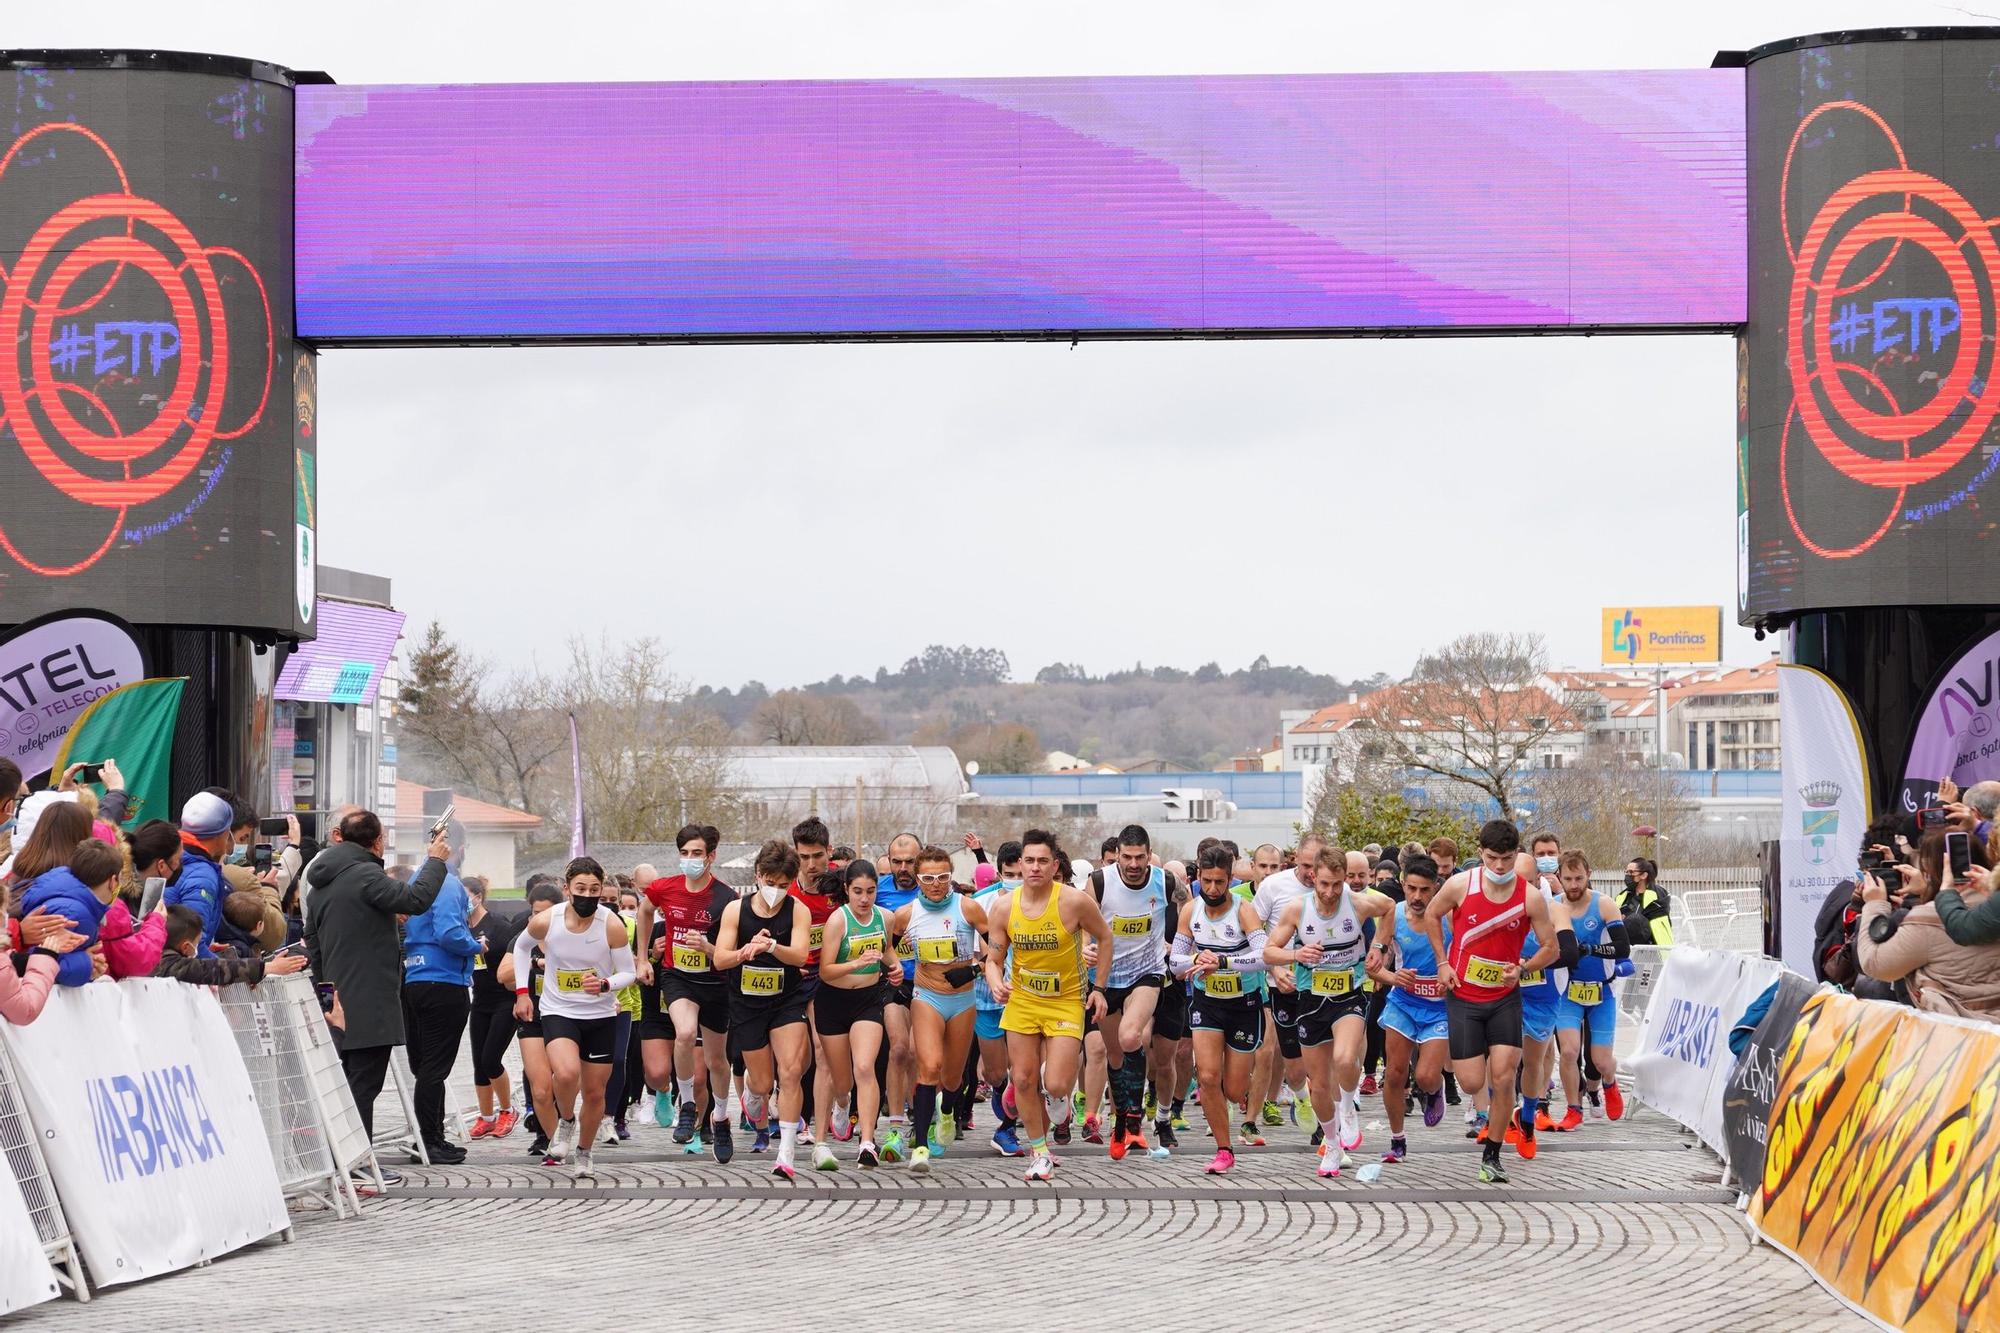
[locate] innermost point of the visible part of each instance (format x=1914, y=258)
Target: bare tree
x=1473, y=713
x=794, y=717
x=1594, y=805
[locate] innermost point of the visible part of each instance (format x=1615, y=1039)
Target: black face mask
x=1216, y=902
x=584, y=906
x=1631, y=881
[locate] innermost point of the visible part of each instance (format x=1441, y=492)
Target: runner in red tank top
x=1491, y=912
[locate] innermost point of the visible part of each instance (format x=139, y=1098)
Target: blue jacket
x=438, y=945
x=66, y=895
x=199, y=886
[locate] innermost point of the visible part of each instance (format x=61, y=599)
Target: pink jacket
x=129, y=952
x=22, y=997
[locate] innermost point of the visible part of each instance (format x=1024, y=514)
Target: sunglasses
x=933, y=879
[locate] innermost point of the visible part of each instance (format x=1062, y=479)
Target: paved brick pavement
x=1626, y=1221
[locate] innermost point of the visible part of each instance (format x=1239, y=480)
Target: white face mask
x=769, y=894
x=1500, y=879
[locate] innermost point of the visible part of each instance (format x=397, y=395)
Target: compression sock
x=925, y=1103
x=1529, y=1105
x=683, y=1090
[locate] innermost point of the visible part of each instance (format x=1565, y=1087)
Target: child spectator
x=183, y=963
x=242, y=925
x=81, y=891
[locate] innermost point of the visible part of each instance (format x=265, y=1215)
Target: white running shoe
x=584, y=1169
x=1330, y=1162
x=843, y=1126
x=1040, y=1167
x=1348, y=1116
x=607, y=1133
x=564, y=1141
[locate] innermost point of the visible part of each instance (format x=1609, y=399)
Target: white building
x=866, y=793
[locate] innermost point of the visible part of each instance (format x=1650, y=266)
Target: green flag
x=134, y=725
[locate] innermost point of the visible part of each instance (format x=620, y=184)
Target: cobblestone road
x=1617, y=1223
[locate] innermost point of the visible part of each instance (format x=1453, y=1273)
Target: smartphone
x=276, y=827
x=1958, y=847
x=1874, y=859
x=151, y=897
x=1932, y=816
x=298, y=947
x=444, y=820
x=260, y=857
x=90, y=773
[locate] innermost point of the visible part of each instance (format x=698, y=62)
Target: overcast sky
x=785, y=513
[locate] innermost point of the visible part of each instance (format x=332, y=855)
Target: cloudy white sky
x=785, y=513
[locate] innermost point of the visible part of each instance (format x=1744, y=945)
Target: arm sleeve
x=1566, y=948
x=524, y=960
x=456, y=937
x=412, y=899
x=979, y=855
x=1969, y=925
x=1252, y=957
x=1620, y=945
x=1183, y=955
x=1894, y=958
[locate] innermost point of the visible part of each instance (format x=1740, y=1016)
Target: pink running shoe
x=1007, y=1102
x=1222, y=1161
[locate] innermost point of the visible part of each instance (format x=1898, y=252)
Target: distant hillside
x=965, y=697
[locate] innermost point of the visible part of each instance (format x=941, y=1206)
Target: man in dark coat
x=352, y=942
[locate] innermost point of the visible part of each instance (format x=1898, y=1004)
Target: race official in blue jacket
x=438, y=949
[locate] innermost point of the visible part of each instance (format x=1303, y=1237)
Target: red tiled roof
x=482, y=816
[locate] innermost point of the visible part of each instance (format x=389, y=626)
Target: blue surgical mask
x=240, y=856
x=1499, y=879
x=1546, y=864
x=692, y=866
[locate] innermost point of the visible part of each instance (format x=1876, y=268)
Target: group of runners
x=834, y=995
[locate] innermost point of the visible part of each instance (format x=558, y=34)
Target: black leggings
x=492, y=1030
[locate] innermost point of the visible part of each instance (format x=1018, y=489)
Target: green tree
x=1353, y=818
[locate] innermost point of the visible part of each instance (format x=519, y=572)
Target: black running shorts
x=1477, y=1028
x=596, y=1038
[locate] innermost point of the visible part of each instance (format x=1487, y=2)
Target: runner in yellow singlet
x=1042, y=988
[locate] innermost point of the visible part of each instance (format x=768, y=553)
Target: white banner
x=149, y=1125
x=25, y=1276
x=1683, y=1058
x=1826, y=804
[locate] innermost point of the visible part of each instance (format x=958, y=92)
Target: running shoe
x=945, y=1130
x=1007, y=1141
x=481, y=1127
x=892, y=1145
x=722, y=1139
x=1450, y=1091
x=1152, y=1102
x=1222, y=1161
x=1542, y=1122
x=781, y=1167
x=1571, y=1119
x=1492, y=1173
x=1135, y=1140
x=1318, y=1136
x=935, y=1144
x=920, y=1162
x=1513, y=1135
x=1614, y=1101
x=868, y=1157
x=1433, y=1108
x=1116, y=1147
x=584, y=1169
x=1163, y=1130
x=1179, y=1121
x=1523, y=1137
x=1251, y=1138
x=539, y=1146
x=564, y=1142
x=663, y=1111
x=762, y=1142
x=1092, y=1131
x=1369, y=1087
x=1595, y=1107
x=1347, y=1118
x=843, y=1124
x=1060, y=1132
x=1273, y=1115
x=1328, y=1167
x=1478, y=1130
x=1040, y=1167
x=684, y=1126
x=607, y=1135
x=823, y=1159
x=1009, y=1108
x=503, y=1124
x=623, y=1131
x=1081, y=1110
x=1398, y=1150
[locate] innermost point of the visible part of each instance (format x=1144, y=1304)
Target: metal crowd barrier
x=31, y=1172
x=309, y=1117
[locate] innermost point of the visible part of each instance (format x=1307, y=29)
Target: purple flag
x=578, y=839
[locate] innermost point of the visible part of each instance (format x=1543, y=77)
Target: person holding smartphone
x=1941, y=974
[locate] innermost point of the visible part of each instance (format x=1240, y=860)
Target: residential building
x=492, y=832
x=1727, y=717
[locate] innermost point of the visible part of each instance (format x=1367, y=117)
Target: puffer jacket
x=1943, y=976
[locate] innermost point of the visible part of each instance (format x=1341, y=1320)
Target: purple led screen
x=1138, y=205
x=344, y=665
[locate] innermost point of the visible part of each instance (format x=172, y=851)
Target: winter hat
x=983, y=874
x=206, y=815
